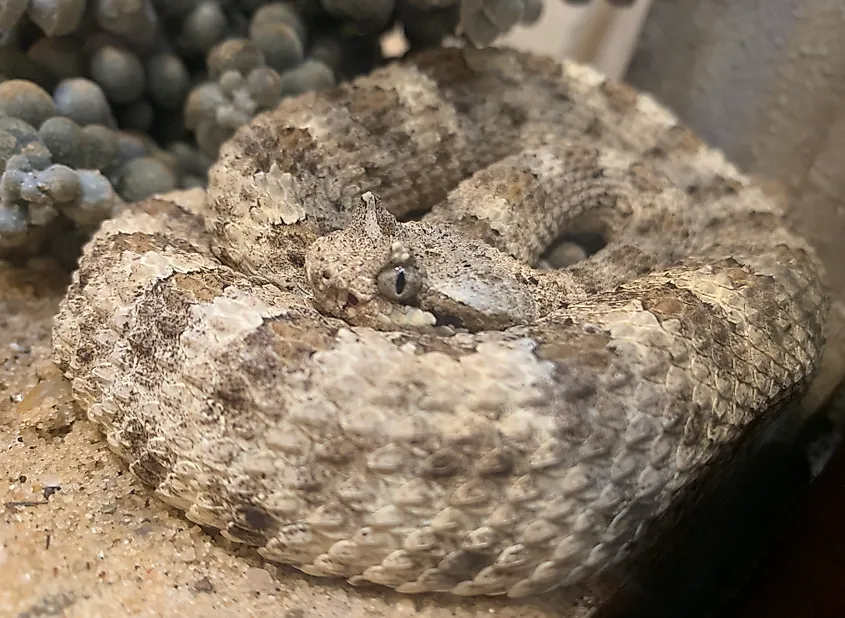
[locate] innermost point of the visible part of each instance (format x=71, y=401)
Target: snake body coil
x=414, y=402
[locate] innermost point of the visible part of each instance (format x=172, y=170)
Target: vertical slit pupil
x=400, y=280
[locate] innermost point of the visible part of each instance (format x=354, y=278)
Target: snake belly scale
x=351, y=358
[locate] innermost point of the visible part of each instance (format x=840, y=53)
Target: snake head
x=381, y=273
x=366, y=273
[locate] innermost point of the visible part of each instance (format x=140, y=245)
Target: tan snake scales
x=416, y=404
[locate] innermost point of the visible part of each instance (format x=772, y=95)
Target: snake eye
x=399, y=283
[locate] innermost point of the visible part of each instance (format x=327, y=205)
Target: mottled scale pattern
x=507, y=429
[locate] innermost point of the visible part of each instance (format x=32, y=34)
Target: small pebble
x=10, y=185
x=240, y=55
x=18, y=162
x=426, y=28
x=310, y=75
x=119, y=73
x=131, y=146
x=265, y=87
x=37, y=154
x=204, y=27
x=59, y=57
x=134, y=20
x=10, y=12
x=61, y=183
x=13, y=227
x=41, y=213
x=210, y=136
x=23, y=132
x=8, y=147
x=98, y=199
x=532, y=11
x=168, y=81
x=202, y=104
x=329, y=51
x=483, y=21
x=278, y=42
x=99, y=39
x=193, y=182
x=63, y=137
x=20, y=348
x=39, y=208
x=99, y=147
x=188, y=159
x=231, y=81
x=277, y=12
x=22, y=188
x=260, y=580
x=83, y=101
x=145, y=176
x=56, y=17
x=27, y=101
x=168, y=159
x=232, y=117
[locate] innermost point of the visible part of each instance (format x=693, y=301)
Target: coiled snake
x=416, y=403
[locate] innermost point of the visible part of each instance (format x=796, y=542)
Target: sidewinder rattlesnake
x=415, y=403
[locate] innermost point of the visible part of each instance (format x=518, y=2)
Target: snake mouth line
x=408, y=317
x=450, y=321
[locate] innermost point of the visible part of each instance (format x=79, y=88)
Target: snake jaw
x=342, y=301
x=406, y=317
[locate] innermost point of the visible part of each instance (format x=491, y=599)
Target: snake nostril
x=346, y=299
